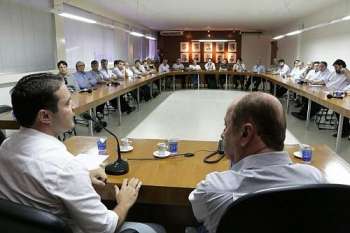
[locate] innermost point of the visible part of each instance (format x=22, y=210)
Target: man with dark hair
x=37, y=170
x=94, y=73
x=64, y=74
x=254, y=134
x=106, y=73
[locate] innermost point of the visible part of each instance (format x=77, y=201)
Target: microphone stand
x=120, y=166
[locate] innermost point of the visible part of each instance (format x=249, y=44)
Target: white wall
x=255, y=46
x=326, y=43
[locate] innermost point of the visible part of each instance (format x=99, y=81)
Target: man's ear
x=247, y=133
x=44, y=117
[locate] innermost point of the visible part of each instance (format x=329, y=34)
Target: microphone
x=120, y=166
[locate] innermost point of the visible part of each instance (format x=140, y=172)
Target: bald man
x=254, y=134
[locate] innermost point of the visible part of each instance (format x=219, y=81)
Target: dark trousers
x=256, y=82
x=238, y=79
x=346, y=125
x=315, y=108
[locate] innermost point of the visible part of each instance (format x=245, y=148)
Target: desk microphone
x=119, y=167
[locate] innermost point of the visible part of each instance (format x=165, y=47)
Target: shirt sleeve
x=84, y=205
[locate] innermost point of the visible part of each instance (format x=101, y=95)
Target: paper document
x=91, y=162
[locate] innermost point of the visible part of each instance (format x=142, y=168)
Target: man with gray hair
x=254, y=134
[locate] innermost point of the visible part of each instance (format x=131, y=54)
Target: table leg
x=151, y=90
x=91, y=123
x=119, y=111
x=287, y=104
x=339, y=134
x=174, y=87
x=274, y=89
x=308, y=113
x=251, y=83
x=198, y=82
x=138, y=99
x=226, y=84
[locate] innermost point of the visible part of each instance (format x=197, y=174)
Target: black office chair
x=309, y=208
x=24, y=219
x=17, y=218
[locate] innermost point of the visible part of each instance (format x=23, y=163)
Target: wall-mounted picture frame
x=231, y=57
x=185, y=57
x=219, y=57
x=232, y=47
x=220, y=47
x=208, y=47
x=196, y=47
x=196, y=57
x=184, y=47
x=207, y=56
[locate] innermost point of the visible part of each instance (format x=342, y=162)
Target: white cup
x=125, y=142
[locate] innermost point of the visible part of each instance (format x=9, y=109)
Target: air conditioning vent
x=171, y=33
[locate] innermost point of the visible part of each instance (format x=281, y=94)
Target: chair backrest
x=17, y=218
x=309, y=208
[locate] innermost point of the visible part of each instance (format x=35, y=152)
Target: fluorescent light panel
x=278, y=37
x=346, y=17
x=76, y=17
x=137, y=34
x=150, y=37
x=294, y=33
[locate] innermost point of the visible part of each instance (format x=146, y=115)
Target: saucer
x=126, y=149
x=298, y=154
x=156, y=154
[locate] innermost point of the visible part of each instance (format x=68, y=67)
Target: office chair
x=2, y=137
x=309, y=208
x=25, y=219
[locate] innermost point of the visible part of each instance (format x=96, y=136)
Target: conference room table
x=168, y=182
x=83, y=102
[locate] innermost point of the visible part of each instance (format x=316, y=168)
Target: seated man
x=194, y=67
x=84, y=80
x=64, y=74
x=257, y=157
x=313, y=77
x=106, y=73
x=37, y=170
x=178, y=66
x=239, y=67
x=223, y=67
x=210, y=79
x=259, y=69
x=164, y=67
x=283, y=71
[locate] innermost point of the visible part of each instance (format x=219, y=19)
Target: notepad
x=89, y=161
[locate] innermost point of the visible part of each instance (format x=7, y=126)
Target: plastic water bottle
x=306, y=153
x=102, y=146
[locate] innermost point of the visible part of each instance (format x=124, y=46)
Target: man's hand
x=98, y=177
x=126, y=197
x=127, y=194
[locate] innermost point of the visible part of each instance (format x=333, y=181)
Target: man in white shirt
x=283, y=71
x=139, y=69
x=164, y=67
x=119, y=70
x=257, y=158
x=297, y=71
x=259, y=69
x=312, y=74
x=106, y=73
x=128, y=71
x=194, y=67
x=209, y=65
x=178, y=66
x=210, y=79
x=239, y=67
x=323, y=75
x=37, y=170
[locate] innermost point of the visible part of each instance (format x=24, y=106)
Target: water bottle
x=306, y=153
x=102, y=146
